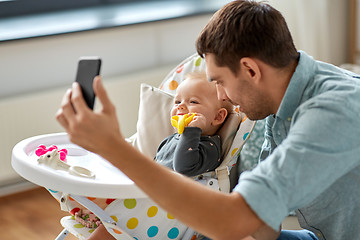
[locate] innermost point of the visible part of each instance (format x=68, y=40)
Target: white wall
x=319, y=27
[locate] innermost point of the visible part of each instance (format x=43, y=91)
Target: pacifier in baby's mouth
x=181, y=121
x=55, y=160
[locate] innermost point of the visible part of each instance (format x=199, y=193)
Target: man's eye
x=219, y=83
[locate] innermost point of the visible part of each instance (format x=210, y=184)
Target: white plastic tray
x=109, y=182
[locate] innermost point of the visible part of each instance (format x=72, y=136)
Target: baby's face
x=197, y=96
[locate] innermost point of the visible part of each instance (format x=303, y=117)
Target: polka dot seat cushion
x=140, y=218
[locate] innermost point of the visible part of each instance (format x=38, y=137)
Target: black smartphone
x=88, y=69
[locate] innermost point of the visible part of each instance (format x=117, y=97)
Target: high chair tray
x=109, y=182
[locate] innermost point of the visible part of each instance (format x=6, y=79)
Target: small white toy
x=52, y=160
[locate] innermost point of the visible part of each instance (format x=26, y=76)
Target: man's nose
x=221, y=94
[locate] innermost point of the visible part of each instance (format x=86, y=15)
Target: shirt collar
x=295, y=90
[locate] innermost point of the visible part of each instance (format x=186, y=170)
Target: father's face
x=225, y=79
x=237, y=89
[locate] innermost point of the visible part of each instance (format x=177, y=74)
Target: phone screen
x=88, y=68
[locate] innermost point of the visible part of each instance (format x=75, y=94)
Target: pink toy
x=41, y=150
x=87, y=218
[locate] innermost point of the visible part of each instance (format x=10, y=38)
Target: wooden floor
x=31, y=215
x=35, y=215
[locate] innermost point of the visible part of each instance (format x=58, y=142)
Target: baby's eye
x=177, y=102
x=194, y=102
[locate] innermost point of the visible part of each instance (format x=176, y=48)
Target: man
x=311, y=153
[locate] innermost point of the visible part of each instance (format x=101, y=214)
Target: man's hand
x=95, y=131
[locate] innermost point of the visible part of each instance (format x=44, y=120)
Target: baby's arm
x=196, y=154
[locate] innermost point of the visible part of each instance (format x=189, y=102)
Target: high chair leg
x=62, y=235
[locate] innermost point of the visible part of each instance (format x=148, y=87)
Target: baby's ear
x=220, y=116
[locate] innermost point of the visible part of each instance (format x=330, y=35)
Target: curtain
x=319, y=27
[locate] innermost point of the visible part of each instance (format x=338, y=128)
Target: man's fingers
x=67, y=110
x=61, y=119
x=102, y=95
x=77, y=99
x=71, y=105
x=66, y=113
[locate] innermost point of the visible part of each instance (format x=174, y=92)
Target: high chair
x=88, y=181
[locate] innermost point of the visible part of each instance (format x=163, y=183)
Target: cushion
x=153, y=119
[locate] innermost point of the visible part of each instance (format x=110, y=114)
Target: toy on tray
x=56, y=159
x=181, y=121
x=41, y=150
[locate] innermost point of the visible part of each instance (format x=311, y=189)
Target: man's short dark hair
x=246, y=28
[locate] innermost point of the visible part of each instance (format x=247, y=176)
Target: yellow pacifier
x=181, y=121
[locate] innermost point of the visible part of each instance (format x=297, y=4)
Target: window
x=21, y=19
x=11, y=8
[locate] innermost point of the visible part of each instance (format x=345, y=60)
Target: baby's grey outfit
x=190, y=153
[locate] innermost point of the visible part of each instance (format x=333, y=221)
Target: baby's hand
x=198, y=121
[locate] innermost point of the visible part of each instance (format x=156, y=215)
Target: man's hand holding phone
x=97, y=131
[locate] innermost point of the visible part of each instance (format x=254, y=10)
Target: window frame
x=107, y=14
x=15, y=8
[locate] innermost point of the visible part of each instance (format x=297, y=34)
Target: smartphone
x=88, y=69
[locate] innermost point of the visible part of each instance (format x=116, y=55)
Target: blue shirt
x=311, y=154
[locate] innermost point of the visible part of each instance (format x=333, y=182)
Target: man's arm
x=190, y=202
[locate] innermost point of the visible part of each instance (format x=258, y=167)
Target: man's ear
x=250, y=68
x=220, y=116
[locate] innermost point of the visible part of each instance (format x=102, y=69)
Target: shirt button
x=289, y=119
x=318, y=235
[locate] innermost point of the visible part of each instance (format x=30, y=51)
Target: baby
x=197, y=149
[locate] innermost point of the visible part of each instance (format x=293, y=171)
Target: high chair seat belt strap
x=223, y=178
x=64, y=202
